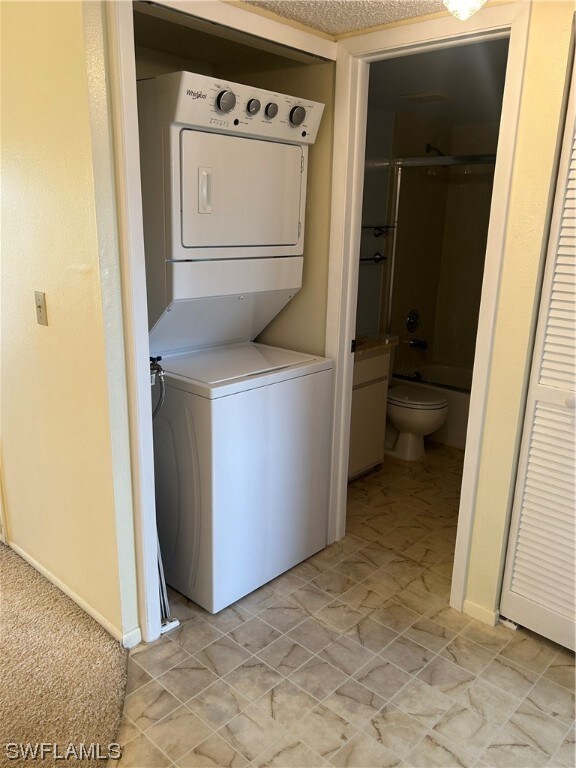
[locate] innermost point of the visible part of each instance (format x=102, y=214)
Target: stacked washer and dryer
x=242, y=442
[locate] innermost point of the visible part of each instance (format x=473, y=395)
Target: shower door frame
x=417, y=162
x=354, y=57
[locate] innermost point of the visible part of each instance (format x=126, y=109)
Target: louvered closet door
x=539, y=580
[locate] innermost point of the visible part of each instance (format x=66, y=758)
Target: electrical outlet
x=40, y=301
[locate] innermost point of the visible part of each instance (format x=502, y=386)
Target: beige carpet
x=62, y=676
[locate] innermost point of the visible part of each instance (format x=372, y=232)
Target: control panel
x=216, y=105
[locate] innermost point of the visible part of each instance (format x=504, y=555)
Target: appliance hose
x=160, y=402
x=156, y=372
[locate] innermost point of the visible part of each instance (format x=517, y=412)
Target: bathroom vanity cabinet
x=369, y=395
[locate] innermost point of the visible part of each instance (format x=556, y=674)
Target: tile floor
x=353, y=658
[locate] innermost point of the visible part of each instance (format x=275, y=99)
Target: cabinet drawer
x=371, y=369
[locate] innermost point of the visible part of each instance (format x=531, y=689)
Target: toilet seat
x=415, y=398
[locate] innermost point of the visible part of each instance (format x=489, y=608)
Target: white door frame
x=122, y=68
x=354, y=56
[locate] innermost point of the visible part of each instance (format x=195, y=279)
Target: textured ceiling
x=469, y=77
x=337, y=17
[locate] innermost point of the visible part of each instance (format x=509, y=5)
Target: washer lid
x=421, y=397
x=217, y=365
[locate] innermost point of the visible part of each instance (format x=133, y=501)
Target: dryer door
x=238, y=193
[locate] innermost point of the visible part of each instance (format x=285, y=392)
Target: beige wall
x=150, y=63
x=533, y=180
x=60, y=455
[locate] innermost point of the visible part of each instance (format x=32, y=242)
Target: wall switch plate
x=41, y=315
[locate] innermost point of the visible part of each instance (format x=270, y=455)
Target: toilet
x=412, y=413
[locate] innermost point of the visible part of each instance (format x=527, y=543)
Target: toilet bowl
x=412, y=413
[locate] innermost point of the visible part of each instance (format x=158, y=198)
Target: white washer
x=242, y=447
x=242, y=443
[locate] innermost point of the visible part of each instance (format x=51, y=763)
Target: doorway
x=431, y=138
x=432, y=134
x=350, y=131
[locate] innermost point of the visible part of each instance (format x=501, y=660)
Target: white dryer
x=242, y=443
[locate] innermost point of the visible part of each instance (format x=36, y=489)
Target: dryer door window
x=238, y=191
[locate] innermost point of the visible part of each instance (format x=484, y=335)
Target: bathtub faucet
x=418, y=344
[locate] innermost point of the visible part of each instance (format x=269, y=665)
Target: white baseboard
x=479, y=612
x=128, y=640
x=133, y=638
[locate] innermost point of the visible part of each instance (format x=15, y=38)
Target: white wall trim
x=439, y=32
x=242, y=20
x=489, y=301
x=133, y=636
x=110, y=285
x=132, y=639
x=345, y=228
x=3, y=520
x=122, y=70
x=350, y=119
x=480, y=613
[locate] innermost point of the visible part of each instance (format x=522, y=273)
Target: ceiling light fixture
x=463, y=9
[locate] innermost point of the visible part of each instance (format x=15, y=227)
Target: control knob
x=297, y=115
x=271, y=109
x=226, y=101
x=253, y=107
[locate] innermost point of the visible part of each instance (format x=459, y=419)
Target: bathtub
x=454, y=384
x=450, y=376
